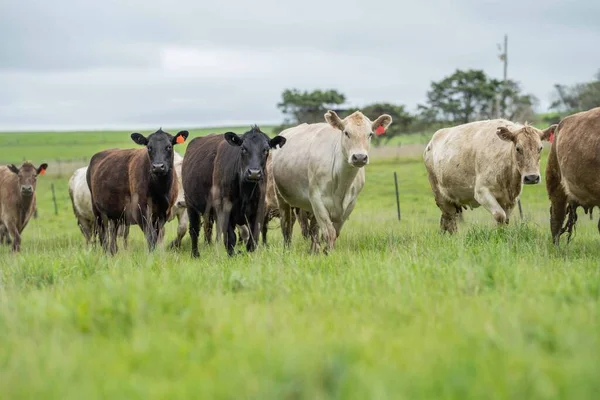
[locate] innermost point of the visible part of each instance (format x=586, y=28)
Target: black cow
x=239, y=183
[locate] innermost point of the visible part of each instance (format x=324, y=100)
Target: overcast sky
x=75, y=64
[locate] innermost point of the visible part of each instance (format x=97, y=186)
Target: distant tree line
x=461, y=97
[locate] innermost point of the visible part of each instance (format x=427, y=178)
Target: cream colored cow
x=320, y=170
x=82, y=205
x=483, y=163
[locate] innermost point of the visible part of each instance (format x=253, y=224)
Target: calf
x=320, y=170
x=483, y=163
x=135, y=186
x=572, y=170
x=17, y=199
x=239, y=183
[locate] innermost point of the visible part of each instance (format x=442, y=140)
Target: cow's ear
x=179, y=138
x=13, y=168
x=504, y=134
x=277, y=141
x=383, y=121
x=139, y=139
x=332, y=119
x=233, y=139
x=546, y=133
x=42, y=169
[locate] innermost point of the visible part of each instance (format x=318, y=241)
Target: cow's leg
x=230, y=239
x=113, y=227
x=13, y=230
x=125, y=233
x=101, y=230
x=265, y=227
x=182, y=222
x=286, y=221
x=324, y=221
x=558, y=198
x=449, y=210
x=209, y=222
x=484, y=197
x=303, y=218
x=194, y=218
x=313, y=231
x=253, y=230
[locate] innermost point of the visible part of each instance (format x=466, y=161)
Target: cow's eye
x=244, y=151
x=519, y=149
x=370, y=135
x=347, y=134
x=150, y=149
x=168, y=148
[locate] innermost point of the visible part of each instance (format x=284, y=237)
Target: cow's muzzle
x=253, y=175
x=531, y=179
x=159, y=169
x=359, y=160
x=26, y=190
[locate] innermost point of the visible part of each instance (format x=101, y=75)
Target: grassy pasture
x=396, y=311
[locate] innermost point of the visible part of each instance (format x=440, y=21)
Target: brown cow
x=135, y=186
x=17, y=199
x=572, y=170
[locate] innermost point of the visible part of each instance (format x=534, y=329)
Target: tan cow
x=17, y=198
x=572, y=170
x=483, y=163
x=320, y=170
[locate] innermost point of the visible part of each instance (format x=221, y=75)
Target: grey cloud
x=83, y=63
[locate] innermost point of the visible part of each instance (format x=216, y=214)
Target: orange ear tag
x=42, y=171
x=380, y=130
x=180, y=139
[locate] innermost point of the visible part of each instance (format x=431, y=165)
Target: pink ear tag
x=380, y=130
x=551, y=138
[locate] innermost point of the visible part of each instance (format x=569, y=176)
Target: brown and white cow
x=572, y=170
x=483, y=163
x=135, y=186
x=17, y=199
x=320, y=170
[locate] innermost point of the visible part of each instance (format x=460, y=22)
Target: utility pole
x=504, y=58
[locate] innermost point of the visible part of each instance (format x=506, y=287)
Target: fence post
x=520, y=208
x=54, y=199
x=397, y=195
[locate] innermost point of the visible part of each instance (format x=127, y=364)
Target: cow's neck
x=25, y=203
x=159, y=187
x=344, y=177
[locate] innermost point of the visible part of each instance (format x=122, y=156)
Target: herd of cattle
x=312, y=173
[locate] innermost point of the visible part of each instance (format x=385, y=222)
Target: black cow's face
x=28, y=176
x=160, y=149
x=254, y=149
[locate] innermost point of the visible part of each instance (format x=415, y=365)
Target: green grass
x=396, y=311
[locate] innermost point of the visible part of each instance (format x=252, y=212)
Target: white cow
x=319, y=170
x=483, y=163
x=82, y=205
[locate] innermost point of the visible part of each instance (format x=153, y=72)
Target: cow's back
x=80, y=194
x=197, y=170
x=457, y=157
x=577, y=147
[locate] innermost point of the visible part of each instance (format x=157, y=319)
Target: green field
x=396, y=311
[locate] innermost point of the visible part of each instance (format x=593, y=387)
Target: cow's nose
x=158, y=167
x=531, y=179
x=254, y=174
x=360, y=159
x=27, y=189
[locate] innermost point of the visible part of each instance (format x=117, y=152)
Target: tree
x=461, y=97
x=577, y=97
x=308, y=107
x=470, y=95
x=401, y=120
